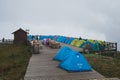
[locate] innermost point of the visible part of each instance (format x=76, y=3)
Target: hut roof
x=19, y=30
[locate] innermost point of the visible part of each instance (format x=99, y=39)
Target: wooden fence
x=110, y=49
x=6, y=41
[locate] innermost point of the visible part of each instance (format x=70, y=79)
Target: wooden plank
x=43, y=67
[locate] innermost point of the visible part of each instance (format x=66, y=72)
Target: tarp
x=74, y=63
x=63, y=53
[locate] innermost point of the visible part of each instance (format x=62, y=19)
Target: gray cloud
x=95, y=19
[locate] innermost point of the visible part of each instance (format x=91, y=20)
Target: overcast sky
x=91, y=19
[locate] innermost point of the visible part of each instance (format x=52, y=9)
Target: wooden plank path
x=43, y=67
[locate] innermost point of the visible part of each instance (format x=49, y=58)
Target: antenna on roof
x=27, y=30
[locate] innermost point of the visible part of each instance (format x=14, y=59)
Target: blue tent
x=42, y=37
x=74, y=63
x=66, y=41
x=70, y=40
x=63, y=53
x=95, y=46
x=50, y=36
x=29, y=37
x=58, y=38
x=84, y=44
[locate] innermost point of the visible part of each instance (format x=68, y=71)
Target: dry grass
x=107, y=66
x=13, y=61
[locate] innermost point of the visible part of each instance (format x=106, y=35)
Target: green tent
x=79, y=43
x=74, y=42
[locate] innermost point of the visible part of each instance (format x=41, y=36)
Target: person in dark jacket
x=3, y=40
x=80, y=38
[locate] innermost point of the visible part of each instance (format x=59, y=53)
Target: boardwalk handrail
x=111, y=46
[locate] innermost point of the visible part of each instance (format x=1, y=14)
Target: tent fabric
x=64, y=39
x=79, y=43
x=91, y=41
x=42, y=37
x=95, y=44
x=84, y=44
x=74, y=63
x=74, y=42
x=70, y=40
x=63, y=53
x=29, y=37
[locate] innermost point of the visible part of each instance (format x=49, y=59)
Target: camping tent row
x=96, y=45
x=63, y=39
x=41, y=37
x=71, y=60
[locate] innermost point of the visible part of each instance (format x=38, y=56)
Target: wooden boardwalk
x=43, y=67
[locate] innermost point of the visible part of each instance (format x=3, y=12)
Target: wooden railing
x=6, y=41
x=110, y=48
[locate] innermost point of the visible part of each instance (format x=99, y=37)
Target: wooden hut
x=20, y=37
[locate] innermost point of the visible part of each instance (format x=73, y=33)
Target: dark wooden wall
x=20, y=37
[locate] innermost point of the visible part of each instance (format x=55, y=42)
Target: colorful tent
x=63, y=53
x=79, y=43
x=29, y=37
x=96, y=45
x=86, y=42
x=74, y=63
x=69, y=40
x=73, y=43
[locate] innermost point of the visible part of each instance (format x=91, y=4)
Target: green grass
x=107, y=66
x=13, y=61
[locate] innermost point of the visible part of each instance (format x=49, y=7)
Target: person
x=48, y=41
x=80, y=38
x=3, y=39
x=33, y=37
x=44, y=41
x=37, y=38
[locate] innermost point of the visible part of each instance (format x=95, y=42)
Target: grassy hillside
x=13, y=61
x=107, y=66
